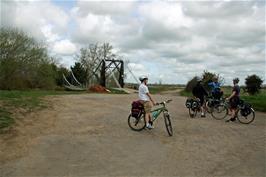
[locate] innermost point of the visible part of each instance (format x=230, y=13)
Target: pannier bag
x=189, y=102
x=136, y=109
x=195, y=104
x=245, y=109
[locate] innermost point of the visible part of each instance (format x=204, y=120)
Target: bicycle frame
x=160, y=110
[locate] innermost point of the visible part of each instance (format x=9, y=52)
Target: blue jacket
x=215, y=86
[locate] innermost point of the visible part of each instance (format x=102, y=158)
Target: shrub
x=253, y=84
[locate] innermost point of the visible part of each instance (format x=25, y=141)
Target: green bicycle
x=138, y=124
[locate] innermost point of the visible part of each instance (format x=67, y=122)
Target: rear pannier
x=136, y=109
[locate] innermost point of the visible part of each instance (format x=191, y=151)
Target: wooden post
x=103, y=78
x=121, y=74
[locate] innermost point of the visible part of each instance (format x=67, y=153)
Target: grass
x=28, y=100
x=5, y=118
x=161, y=88
x=116, y=91
x=258, y=101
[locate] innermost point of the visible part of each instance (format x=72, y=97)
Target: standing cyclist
x=215, y=88
x=145, y=98
x=234, y=100
x=199, y=92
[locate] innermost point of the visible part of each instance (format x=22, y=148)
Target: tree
x=91, y=57
x=24, y=63
x=253, y=84
x=79, y=72
x=191, y=84
x=207, y=77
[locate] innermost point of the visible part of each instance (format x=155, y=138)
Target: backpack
x=136, y=109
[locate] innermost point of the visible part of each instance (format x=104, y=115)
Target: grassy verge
x=27, y=100
x=161, y=88
x=257, y=101
x=116, y=91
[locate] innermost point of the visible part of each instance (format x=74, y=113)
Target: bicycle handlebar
x=164, y=102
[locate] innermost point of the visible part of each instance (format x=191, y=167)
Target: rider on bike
x=215, y=88
x=146, y=99
x=234, y=100
x=199, y=92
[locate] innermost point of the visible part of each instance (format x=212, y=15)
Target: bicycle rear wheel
x=219, y=112
x=246, y=119
x=136, y=124
x=168, y=124
x=192, y=112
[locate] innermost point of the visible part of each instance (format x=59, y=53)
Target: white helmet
x=142, y=78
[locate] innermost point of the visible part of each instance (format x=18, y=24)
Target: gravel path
x=88, y=135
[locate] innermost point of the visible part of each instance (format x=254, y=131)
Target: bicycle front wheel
x=247, y=119
x=168, y=124
x=192, y=112
x=219, y=112
x=136, y=124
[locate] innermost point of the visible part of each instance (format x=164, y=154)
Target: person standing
x=199, y=92
x=215, y=88
x=146, y=100
x=234, y=100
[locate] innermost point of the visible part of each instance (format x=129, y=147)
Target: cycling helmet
x=142, y=78
x=198, y=79
x=215, y=78
x=236, y=80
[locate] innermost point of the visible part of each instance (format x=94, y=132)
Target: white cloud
x=64, y=47
x=172, y=41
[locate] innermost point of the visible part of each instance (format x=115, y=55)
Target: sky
x=169, y=41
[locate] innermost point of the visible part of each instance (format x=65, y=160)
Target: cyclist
x=146, y=100
x=216, y=88
x=234, y=100
x=199, y=92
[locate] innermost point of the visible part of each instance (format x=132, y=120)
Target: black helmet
x=236, y=80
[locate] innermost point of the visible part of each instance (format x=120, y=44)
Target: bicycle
x=138, y=124
x=193, y=105
x=245, y=114
x=220, y=109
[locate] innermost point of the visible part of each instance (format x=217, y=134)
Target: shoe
x=149, y=126
x=231, y=119
x=203, y=115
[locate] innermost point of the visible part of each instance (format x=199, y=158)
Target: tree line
x=25, y=63
x=253, y=83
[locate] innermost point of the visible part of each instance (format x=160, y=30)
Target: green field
x=258, y=101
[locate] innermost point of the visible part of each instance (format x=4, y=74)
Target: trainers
x=203, y=115
x=149, y=126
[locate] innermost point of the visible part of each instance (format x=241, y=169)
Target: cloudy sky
x=170, y=41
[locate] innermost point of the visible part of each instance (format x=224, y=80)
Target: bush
x=253, y=84
x=191, y=84
x=24, y=63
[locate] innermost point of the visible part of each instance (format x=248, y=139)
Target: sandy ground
x=88, y=135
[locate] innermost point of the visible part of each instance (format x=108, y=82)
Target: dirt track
x=88, y=135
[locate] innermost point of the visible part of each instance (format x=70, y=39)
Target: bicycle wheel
x=136, y=124
x=168, y=124
x=246, y=119
x=209, y=109
x=219, y=112
x=192, y=112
